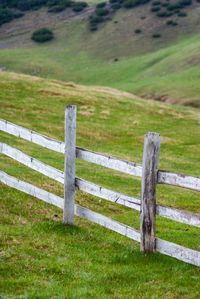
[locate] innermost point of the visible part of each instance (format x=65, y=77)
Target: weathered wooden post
x=148, y=191
x=70, y=156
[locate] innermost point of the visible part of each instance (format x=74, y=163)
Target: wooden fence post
x=148, y=191
x=70, y=156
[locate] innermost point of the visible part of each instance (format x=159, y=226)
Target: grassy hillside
x=165, y=69
x=40, y=258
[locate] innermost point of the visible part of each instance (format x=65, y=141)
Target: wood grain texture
x=70, y=157
x=179, y=252
x=179, y=180
x=148, y=191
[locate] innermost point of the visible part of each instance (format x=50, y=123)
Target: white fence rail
x=162, y=246
x=164, y=177
x=96, y=190
x=152, y=175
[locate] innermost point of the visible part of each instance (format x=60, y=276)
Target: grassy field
x=165, y=69
x=40, y=258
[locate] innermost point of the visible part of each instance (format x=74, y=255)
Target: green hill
x=40, y=258
x=165, y=68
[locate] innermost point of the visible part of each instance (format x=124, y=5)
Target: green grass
x=40, y=258
x=166, y=69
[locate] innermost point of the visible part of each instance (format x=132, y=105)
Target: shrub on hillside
x=95, y=20
x=155, y=9
x=42, y=35
x=156, y=3
x=79, y=6
x=165, y=4
x=182, y=14
x=101, y=12
x=172, y=23
x=18, y=15
x=184, y=3
x=137, y=31
x=6, y=15
x=116, y=6
x=134, y=3
x=93, y=28
x=173, y=7
x=164, y=14
x=156, y=35
x=101, y=5
x=28, y=4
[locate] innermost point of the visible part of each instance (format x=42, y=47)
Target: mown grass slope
x=165, y=69
x=40, y=258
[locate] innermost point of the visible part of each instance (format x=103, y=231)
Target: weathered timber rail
x=148, y=171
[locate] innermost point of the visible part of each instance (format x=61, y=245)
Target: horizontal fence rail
x=58, y=146
x=179, y=180
x=162, y=246
x=79, y=211
x=109, y=162
x=164, y=177
x=32, y=136
x=179, y=252
x=96, y=190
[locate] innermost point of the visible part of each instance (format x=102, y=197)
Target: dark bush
x=134, y=3
x=100, y=5
x=52, y=3
x=6, y=15
x=18, y=15
x=95, y=20
x=101, y=12
x=116, y=6
x=156, y=35
x=137, y=31
x=164, y=14
x=154, y=9
x=172, y=23
x=165, y=4
x=182, y=14
x=59, y=7
x=173, y=7
x=42, y=35
x=156, y=3
x=79, y=6
x=93, y=28
x=184, y=3
x=28, y=4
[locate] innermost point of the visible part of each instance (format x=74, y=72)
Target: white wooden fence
x=148, y=171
